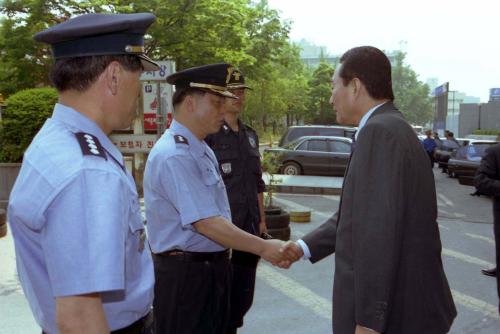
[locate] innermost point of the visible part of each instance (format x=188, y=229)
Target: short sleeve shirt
x=76, y=222
x=182, y=185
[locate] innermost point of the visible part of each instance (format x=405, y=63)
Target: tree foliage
x=25, y=114
x=191, y=32
x=280, y=95
x=411, y=96
x=246, y=33
x=321, y=90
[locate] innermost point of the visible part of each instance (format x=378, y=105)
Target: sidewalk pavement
x=305, y=184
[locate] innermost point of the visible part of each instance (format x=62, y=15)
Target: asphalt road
x=299, y=300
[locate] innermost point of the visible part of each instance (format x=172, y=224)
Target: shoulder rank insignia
x=181, y=140
x=90, y=145
x=252, y=142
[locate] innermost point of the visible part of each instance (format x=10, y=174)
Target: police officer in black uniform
x=236, y=147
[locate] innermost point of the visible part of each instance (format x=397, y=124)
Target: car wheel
x=291, y=168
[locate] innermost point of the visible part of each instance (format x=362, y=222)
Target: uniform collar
x=81, y=123
x=226, y=128
x=198, y=147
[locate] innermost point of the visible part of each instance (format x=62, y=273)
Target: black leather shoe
x=490, y=272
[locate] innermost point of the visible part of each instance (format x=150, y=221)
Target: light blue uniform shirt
x=77, y=225
x=182, y=185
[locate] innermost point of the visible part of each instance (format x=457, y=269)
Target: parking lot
x=299, y=300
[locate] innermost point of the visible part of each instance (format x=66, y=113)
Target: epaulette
x=250, y=128
x=90, y=145
x=180, y=139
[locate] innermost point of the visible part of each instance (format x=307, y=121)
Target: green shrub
x=271, y=165
x=23, y=117
x=487, y=132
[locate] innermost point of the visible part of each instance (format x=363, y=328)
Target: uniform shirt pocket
x=228, y=161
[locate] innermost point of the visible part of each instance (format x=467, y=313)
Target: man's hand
x=292, y=251
x=271, y=251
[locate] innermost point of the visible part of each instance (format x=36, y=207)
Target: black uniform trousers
x=244, y=266
x=191, y=296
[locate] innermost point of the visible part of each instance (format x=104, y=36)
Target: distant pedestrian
x=438, y=140
x=429, y=146
x=451, y=137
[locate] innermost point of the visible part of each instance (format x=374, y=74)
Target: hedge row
x=22, y=118
x=487, y=132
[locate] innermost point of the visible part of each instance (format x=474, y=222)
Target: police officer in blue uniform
x=236, y=147
x=74, y=211
x=189, y=218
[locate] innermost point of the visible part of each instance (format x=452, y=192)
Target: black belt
x=137, y=327
x=196, y=256
x=244, y=258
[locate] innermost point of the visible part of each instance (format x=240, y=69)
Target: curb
x=307, y=190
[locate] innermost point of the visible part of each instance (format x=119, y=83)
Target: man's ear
x=190, y=103
x=356, y=86
x=113, y=73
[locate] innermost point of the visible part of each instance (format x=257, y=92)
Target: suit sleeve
x=377, y=216
x=321, y=241
x=486, y=179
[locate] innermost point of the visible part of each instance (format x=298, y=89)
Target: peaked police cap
x=99, y=35
x=237, y=80
x=213, y=78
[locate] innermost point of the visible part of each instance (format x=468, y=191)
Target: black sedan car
x=314, y=155
x=447, y=148
x=464, y=162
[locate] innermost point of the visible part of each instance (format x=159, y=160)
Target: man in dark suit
x=487, y=182
x=389, y=275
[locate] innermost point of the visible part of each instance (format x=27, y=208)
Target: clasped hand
x=282, y=254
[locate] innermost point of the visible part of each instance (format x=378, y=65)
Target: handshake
x=280, y=253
